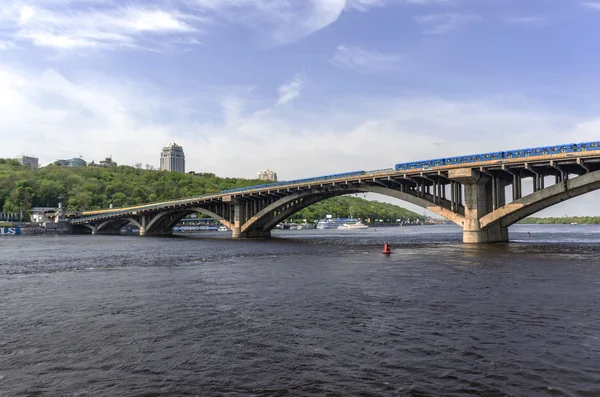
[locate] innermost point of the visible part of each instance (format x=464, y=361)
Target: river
x=306, y=313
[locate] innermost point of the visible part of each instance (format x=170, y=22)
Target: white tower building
x=172, y=158
x=267, y=175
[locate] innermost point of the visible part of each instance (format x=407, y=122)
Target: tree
x=119, y=199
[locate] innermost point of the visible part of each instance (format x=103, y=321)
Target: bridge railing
x=294, y=182
x=380, y=171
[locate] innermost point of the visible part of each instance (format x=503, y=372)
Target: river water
x=307, y=313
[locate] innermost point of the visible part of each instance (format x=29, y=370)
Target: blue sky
x=303, y=87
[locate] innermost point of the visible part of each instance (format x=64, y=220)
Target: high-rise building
x=172, y=158
x=267, y=175
x=28, y=161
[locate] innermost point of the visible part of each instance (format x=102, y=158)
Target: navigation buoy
x=386, y=249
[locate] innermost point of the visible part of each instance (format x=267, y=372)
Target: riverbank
x=565, y=220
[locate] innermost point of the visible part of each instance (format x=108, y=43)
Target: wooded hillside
x=99, y=187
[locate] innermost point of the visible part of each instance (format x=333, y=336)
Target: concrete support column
x=500, y=192
x=238, y=219
x=516, y=187
x=478, y=202
x=494, y=193
x=143, y=222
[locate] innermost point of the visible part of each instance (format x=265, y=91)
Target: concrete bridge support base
x=250, y=234
x=144, y=232
x=495, y=234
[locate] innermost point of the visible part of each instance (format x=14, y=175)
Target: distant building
x=74, y=162
x=107, y=162
x=42, y=214
x=172, y=158
x=267, y=175
x=32, y=162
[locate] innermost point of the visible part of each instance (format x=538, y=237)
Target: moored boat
x=353, y=226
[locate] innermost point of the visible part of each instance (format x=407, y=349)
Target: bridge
x=471, y=191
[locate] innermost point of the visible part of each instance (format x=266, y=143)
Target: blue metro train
x=510, y=154
x=426, y=164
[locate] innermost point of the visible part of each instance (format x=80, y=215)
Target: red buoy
x=386, y=249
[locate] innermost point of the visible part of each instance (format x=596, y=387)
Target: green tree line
x=347, y=206
x=584, y=220
x=99, y=187
x=90, y=188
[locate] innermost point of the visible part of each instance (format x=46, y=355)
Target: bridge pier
x=253, y=233
x=155, y=232
x=240, y=217
x=481, y=195
x=494, y=234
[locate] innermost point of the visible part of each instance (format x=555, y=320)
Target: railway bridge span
x=484, y=197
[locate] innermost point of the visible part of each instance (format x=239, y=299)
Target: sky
x=301, y=87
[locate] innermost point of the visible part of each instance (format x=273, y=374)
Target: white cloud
x=5, y=45
x=430, y=2
x=530, y=21
x=361, y=59
x=278, y=21
x=99, y=118
x=289, y=91
x=444, y=23
x=592, y=5
x=54, y=24
x=364, y=5
x=111, y=24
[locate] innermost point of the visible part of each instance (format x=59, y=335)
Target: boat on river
x=358, y=225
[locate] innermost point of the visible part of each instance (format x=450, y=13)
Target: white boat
x=331, y=223
x=353, y=226
x=222, y=229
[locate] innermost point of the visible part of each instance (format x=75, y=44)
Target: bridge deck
x=516, y=164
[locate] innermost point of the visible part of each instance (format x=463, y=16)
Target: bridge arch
x=265, y=220
x=164, y=222
x=110, y=226
x=517, y=210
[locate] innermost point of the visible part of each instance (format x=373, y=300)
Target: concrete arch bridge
x=473, y=196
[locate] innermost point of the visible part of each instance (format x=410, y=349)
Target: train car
x=500, y=156
x=590, y=146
